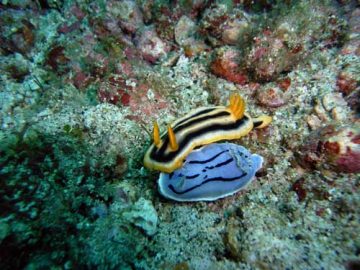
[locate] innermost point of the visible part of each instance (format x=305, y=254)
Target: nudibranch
x=200, y=127
x=212, y=172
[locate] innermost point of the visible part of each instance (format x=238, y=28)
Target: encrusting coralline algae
x=81, y=84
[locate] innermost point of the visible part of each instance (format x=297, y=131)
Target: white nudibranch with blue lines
x=210, y=173
x=213, y=171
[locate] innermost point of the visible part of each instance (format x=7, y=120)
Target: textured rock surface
x=82, y=82
x=333, y=147
x=144, y=216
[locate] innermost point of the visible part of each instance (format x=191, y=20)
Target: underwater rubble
x=82, y=83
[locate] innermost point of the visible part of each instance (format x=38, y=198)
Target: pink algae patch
x=125, y=99
x=229, y=70
x=139, y=97
x=356, y=139
x=260, y=52
x=349, y=162
x=140, y=102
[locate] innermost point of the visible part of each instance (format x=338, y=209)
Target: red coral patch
x=299, y=189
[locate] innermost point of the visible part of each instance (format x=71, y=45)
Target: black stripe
x=159, y=156
x=192, y=176
x=171, y=187
x=219, y=164
x=212, y=167
x=257, y=123
x=224, y=163
x=207, y=160
x=206, y=110
x=178, y=127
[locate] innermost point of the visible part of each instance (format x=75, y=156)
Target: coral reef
x=81, y=83
x=226, y=65
x=335, y=147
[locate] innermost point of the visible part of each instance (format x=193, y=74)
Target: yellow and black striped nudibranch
x=200, y=127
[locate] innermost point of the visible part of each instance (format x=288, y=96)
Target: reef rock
x=226, y=65
x=152, y=48
x=235, y=30
x=333, y=147
x=271, y=97
x=223, y=26
x=127, y=13
x=143, y=215
x=184, y=30
x=269, y=56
